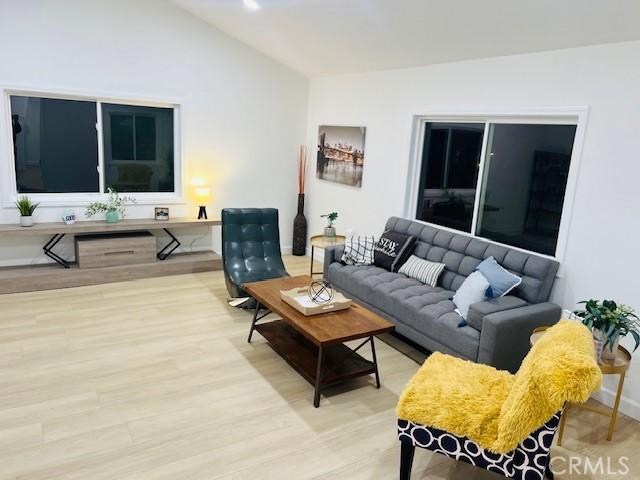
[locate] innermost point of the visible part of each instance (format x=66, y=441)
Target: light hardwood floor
x=154, y=379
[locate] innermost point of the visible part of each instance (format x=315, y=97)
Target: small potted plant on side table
x=330, y=230
x=115, y=207
x=26, y=208
x=609, y=321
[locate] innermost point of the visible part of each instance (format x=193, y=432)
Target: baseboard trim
x=628, y=406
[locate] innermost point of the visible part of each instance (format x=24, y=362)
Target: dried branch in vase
x=302, y=168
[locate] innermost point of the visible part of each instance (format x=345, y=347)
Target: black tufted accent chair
x=250, y=247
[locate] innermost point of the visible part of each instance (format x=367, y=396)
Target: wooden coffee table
x=314, y=345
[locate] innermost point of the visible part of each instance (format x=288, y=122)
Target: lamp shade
x=203, y=193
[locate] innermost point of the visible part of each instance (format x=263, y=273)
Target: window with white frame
x=502, y=181
x=64, y=146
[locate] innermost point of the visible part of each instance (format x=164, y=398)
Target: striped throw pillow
x=422, y=270
x=359, y=250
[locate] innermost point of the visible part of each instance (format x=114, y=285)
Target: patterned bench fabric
x=527, y=462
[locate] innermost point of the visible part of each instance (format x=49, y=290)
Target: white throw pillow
x=359, y=250
x=472, y=290
x=422, y=270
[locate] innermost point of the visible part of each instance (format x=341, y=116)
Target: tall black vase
x=300, y=229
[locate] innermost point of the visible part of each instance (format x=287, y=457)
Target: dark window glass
x=55, y=145
x=122, y=137
x=525, y=175
x=138, y=148
x=450, y=160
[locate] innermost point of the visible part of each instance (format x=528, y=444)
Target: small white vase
x=330, y=232
x=26, y=221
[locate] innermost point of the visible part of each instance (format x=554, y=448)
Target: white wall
x=243, y=114
x=602, y=258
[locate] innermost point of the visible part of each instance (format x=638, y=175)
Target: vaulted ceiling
x=322, y=37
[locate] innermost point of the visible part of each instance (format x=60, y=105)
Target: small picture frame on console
x=162, y=213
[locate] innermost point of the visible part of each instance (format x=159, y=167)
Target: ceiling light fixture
x=251, y=5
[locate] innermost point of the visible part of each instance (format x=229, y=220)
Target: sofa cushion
x=358, y=250
x=392, y=250
x=422, y=270
x=502, y=280
x=473, y=290
x=479, y=310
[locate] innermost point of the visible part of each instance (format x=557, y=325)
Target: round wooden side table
x=320, y=241
x=618, y=366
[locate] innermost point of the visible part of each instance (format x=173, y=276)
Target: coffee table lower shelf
x=320, y=366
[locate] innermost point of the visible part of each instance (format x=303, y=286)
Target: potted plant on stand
x=330, y=230
x=114, y=208
x=609, y=321
x=26, y=208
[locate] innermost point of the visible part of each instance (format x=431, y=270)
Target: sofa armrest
x=477, y=311
x=332, y=254
x=504, y=338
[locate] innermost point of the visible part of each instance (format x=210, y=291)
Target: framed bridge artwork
x=341, y=154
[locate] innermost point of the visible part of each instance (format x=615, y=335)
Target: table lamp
x=202, y=194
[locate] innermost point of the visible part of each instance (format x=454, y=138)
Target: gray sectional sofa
x=498, y=330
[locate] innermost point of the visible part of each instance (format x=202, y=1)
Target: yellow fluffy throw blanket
x=498, y=410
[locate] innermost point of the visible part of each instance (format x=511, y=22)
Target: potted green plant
x=609, y=321
x=26, y=208
x=329, y=230
x=114, y=207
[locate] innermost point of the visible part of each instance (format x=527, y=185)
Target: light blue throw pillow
x=502, y=281
x=472, y=290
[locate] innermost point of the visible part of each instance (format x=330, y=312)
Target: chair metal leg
x=548, y=474
x=563, y=419
x=407, y=449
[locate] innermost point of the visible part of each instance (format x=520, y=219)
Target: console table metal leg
x=53, y=241
x=169, y=248
x=375, y=362
x=318, y=384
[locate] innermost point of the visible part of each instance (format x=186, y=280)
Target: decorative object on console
x=609, y=321
x=422, y=270
x=473, y=290
x=300, y=222
x=392, y=250
x=358, y=250
x=114, y=208
x=447, y=406
x=69, y=217
x=341, y=154
x=162, y=213
x=330, y=230
x=501, y=280
x=26, y=208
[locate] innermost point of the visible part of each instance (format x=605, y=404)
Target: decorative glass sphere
x=320, y=292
